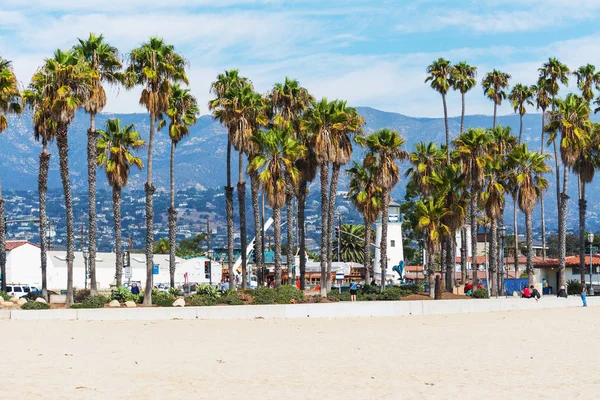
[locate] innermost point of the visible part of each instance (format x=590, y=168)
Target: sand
x=547, y=354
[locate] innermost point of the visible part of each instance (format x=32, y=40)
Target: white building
x=23, y=263
x=395, y=251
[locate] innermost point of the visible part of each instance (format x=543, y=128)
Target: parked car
x=18, y=290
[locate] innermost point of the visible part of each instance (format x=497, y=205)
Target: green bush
x=370, y=289
x=123, y=294
x=34, y=305
x=265, y=295
x=163, y=299
x=414, y=288
x=175, y=292
x=4, y=296
x=91, y=302
x=573, y=287
x=80, y=295
x=287, y=293
x=393, y=293
x=335, y=295
x=481, y=294
x=207, y=290
x=232, y=299
x=197, y=300
x=367, y=297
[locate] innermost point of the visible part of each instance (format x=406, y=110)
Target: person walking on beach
x=584, y=294
x=353, y=289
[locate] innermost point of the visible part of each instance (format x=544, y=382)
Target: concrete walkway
x=324, y=310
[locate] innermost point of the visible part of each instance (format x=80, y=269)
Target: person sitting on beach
x=526, y=293
x=468, y=288
x=562, y=292
x=535, y=294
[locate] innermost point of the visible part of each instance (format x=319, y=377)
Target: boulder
x=130, y=304
x=14, y=300
x=179, y=303
x=21, y=301
x=40, y=300
x=114, y=303
x=1, y=299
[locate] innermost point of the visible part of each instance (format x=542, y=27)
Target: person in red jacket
x=526, y=293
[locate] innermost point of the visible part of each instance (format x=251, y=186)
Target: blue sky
x=371, y=53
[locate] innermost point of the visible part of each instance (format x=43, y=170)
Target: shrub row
x=91, y=302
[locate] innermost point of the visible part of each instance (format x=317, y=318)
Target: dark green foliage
x=265, y=295
x=80, y=295
x=334, y=295
x=414, y=288
x=123, y=294
x=370, y=289
x=4, y=296
x=91, y=302
x=481, y=294
x=393, y=293
x=198, y=300
x=232, y=299
x=316, y=298
x=163, y=299
x=209, y=291
x=287, y=293
x=573, y=287
x=175, y=292
x=33, y=305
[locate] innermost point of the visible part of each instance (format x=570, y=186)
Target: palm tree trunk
x=562, y=227
x=91, y=153
x=529, y=239
x=229, y=214
x=367, y=252
x=149, y=188
x=324, y=225
x=447, y=129
x=2, y=242
x=431, y=271
x=63, y=153
x=243, y=235
x=542, y=195
x=582, y=210
x=495, y=110
x=118, y=238
x=172, y=220
x=474, y=195
x=277, y=240
x=335, y=174
x=464, y=259
x=384, y=238
x=462, y=113
x=451, y=262
x=520, y=128
x=42, y=190
x=516, y=258
x=301, y=232
x=290, y=233
x=443, y=260
x=493, y=257
x=258, y=255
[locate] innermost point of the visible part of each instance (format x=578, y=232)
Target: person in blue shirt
x=353, y=289
x=135, y=289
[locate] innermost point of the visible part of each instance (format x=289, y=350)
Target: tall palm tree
x=542, y=101
x=494, y=84
x=439, y=74
x=520, y=96
x=587, y=79
x=529, y=168
x=10, y=103
x=44, y=131
x=276, y=157
x=67, y=84
x=366, y=197
x=462, y=78
x=115, y=147
x=182, y=113
x=571, y=118
x=473, y=146
x=155, y=65
x=226, y=88
x=385, y=148
x=104, y=59
x=290, y=101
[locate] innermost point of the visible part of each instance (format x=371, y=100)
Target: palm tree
x=571, y=118
x=155, y=65
x=10, y=103
x=430, y=213
x=542, y=101
x=366, y=197
x=473, y=146
x=519, y=97
x=67, y=83
x=494, y=84
x=350, y=243
x=226, y=89
x=587, y=80
x=528, y=170
x=104, y=60
x=439, y=74
x=462, y=78
x=182, y=113
x=290, y=101
x=275, y=160
x=385, y=148
x=114, y=152
x=44, y=130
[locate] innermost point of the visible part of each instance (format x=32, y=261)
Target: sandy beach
x=524, y=354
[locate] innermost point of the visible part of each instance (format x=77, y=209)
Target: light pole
x=590, y=238
x=502, y=234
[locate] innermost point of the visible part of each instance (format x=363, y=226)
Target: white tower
x=395, y=252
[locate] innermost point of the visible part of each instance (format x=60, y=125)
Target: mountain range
x=200, y=158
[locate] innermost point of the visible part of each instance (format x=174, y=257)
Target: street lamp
x=85, y=263
x=502, y=234
x=590, y=238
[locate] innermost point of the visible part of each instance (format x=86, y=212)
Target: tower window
x=392, y=243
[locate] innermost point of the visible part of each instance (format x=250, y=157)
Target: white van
x=17, y=290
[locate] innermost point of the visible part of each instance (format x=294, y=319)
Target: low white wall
x=324, y=310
